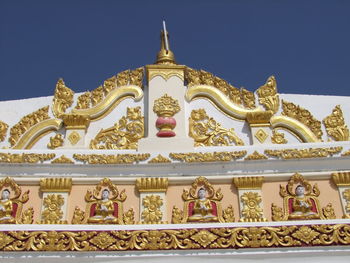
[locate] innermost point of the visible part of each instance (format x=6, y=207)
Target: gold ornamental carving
x=248, y=98
x=304, y=153
x=207, y=132
x=11, y=202
x=290, y=236
x=328, y=211
x=53, y=213
x=56, y=184
x=3, y=130
x=25, y=157
x=304, y=116
x=78, y=216
x=248, y=182
x=346, y=195
x=166, y=106
x=251, y=211
x=268, y=95
x=208, y=156
x=165, y=71
x=125, y=134
x=255, y=156
x=74, y=137
x=261, y=135
x=300, y=201
x=152, y=213
x=62, y=159
x=111, y=159
x=341, y=178
x=62, y=99
x=278, y=138
x=259, y=118
x=159, y=159
x=346, y=153
x=154, y=184
x=55, y=141
x=335, y=125
x=76, y=121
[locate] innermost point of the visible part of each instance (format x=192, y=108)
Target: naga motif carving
x=125, y=134
x=335, y=125
x=268, y=95
x=207, y=132
x=63, y=99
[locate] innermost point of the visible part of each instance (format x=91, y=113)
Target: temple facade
x=167, y=162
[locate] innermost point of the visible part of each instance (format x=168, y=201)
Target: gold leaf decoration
x=208, y=156
x=166, y=106
x=304, y=153
x=252, y=212
x=27, y=216
x=328, y=211
x=228, y=214
x=255, y=156
x=290, y=236
x=55, y=141
x=3, y=130
x=207, y=132
x=62, y=159
x=177, y=215
x=159, y=159
x=268, y=95
x=277, y=213
x=62, y=99
x=335, y=125
x=152, y=214
x=74, y=138
x=346, y=153
x=52, y=213
x=304, y=116
x=78, y=216
x=278, y=138
x=125, y=134
x=111, y=159
x=248, y=98
x=129, y=217
x=25, y=157
x=26, y=123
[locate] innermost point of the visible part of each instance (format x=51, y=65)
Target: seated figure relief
x=202, y=204
x=300, y=201
x=104, y=206
x=11, y=203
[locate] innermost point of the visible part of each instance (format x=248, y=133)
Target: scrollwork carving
x=3, y=130
x=55, y=141
x=63, y=99
x=208, y=156
x=304, y=153
x=335, y=125
x=252, y=212
x=111, y=159
x=53, y=213
x=268, y=95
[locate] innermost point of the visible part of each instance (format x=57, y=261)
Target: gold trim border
x=248, y=182
x=56, y=184
x=341, y=178
x=154, y=184
x=178, y=239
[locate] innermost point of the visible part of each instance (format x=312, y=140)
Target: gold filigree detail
x=255, y=156
x=261, y=135
x=278, y=138
x=304, y=116
x=166, y=106
x=26, y=123
x=25, y=157
x=27, y=216
x=111, y=159
x=62, y=159
x=154, y=184
x=125, y=134
x=290, y=236
x=248, y=182
x=78, y=216
x=62, y=99
x=159, y=159
x=55, y=141
x=207, y=132
x=228, y=214
x=341, y=178
x=277, y=213
x=328, y=211
x=208, y=156
x=129, y=217
x=74, y=137
x=151, y=213
x=346, y=195
x=259, y=118
x=268, y=95
x=52, y=213
x=251, y=211
x=304, y=153
x=76, y=121
x=58, y=184
x=3, y=130
x=335, y=125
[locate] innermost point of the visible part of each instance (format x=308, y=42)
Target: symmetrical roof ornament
x=165, y=55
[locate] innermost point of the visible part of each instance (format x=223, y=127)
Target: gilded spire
x=165, y=55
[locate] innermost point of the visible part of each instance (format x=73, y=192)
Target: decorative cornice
x=208, y=156
x=62, y=159
x=56, y=184
x=154, y=184
x=341, y=178
x=290, y=236
x=76, y=121
x=111, y=159
x=248, y=182
x=25, y=157
x=304, y=153
x=165, y=71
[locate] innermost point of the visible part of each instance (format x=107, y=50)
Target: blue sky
x=304, y=44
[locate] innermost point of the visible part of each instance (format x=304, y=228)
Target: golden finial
x=165, y=55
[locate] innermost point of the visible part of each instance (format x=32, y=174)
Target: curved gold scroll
x=295, y=127
x=36, y=132
x=111, y=101
x=219, y=99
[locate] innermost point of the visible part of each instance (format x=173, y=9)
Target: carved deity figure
x=302, y=206
x=104, y=211
x=202, y=209
x=6, y=208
